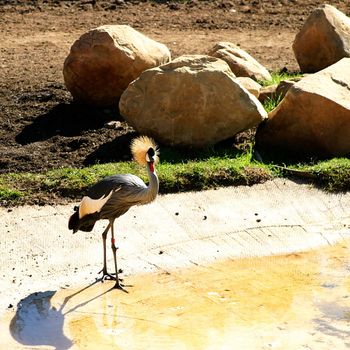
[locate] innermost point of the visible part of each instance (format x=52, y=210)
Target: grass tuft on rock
x=272, y=102
x=277, y=77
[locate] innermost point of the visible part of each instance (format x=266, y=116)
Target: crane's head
x=145, y=151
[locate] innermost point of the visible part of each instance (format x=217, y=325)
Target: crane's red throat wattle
x=151, y=167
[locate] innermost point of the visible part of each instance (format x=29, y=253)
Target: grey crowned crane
x=114, y=195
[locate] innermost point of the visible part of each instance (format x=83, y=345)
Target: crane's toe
x=120, y=286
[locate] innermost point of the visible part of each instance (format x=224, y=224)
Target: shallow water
x=298, y=301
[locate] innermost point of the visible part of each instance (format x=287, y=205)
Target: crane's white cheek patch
x=89, y=206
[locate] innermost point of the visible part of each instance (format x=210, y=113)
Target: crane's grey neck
x=153, y=186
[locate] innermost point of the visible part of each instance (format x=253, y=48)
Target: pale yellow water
x=299, y=301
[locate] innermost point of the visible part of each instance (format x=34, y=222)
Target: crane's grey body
x=129, y=190
x=112, y=197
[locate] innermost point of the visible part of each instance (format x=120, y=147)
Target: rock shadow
x=119, y=150
x=66, y=119
x=114, y=151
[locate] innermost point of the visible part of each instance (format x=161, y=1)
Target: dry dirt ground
x=41, y=128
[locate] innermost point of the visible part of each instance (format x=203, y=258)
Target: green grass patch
x=178, y=172
x=212, y=172
x=332, y=175
x=10, y=195
x=197, y=173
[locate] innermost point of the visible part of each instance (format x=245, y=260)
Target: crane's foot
x=120, y=286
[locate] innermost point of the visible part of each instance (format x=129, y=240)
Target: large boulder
x=313, y=119
x=194, y=100
x=103, y=61
x=241, y=63
x=323, y=40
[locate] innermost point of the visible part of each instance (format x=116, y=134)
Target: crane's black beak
x=149, y=159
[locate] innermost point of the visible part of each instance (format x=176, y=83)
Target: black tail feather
x=73, y=223
x=86, y=223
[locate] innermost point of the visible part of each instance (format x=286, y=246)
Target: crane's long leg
x=117, y=285
x=104, y=237
x=105, y=274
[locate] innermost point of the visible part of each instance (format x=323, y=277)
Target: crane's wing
x=123, y=181
x=89, y=206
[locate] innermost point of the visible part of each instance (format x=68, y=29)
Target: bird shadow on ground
x=38, y=323
x=66, y=119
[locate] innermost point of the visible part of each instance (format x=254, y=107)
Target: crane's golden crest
x=140, y=147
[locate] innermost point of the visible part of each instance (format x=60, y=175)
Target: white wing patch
x=89, y=206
